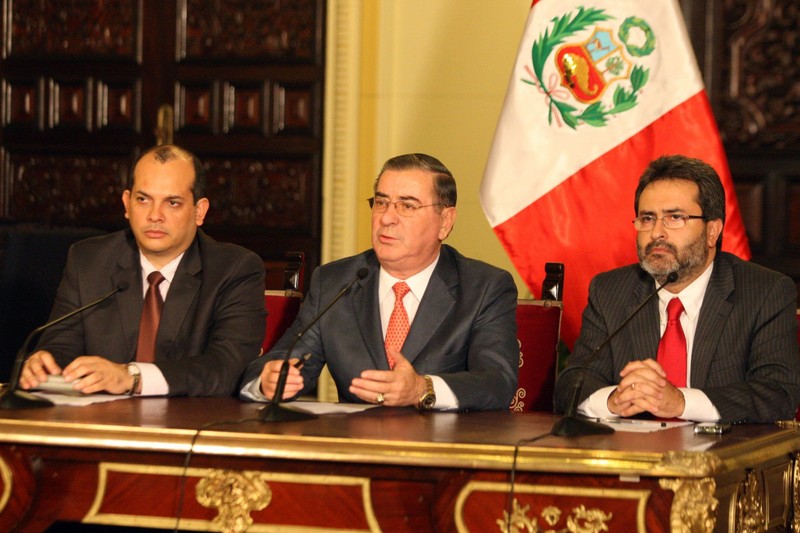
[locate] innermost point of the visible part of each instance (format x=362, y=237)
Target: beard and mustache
x=688, y=261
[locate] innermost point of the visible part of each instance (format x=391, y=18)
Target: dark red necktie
x=151, y=315
x=398, y=322
x=672, y=348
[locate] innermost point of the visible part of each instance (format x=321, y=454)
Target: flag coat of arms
x=599, y=89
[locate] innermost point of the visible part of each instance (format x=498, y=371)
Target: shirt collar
x=417, y=283
x=168, y=270
x=692, y=295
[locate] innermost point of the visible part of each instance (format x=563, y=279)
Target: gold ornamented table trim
x=694, y=504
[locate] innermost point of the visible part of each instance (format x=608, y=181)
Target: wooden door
x=238, y=82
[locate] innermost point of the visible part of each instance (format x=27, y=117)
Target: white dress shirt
x=697, y=406
x=153, y=382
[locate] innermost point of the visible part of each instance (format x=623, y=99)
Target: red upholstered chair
x=282, y=305
x=538, y=331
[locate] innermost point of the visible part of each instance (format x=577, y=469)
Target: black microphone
x=273, y=412
x=12, y=398
x=571, y=425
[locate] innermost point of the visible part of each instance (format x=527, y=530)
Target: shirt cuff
x=445, y=399
x=596, y=405
x=153, y=381
x=698, y=407
x=252, y=391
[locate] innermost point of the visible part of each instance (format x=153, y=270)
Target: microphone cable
x=512, y=477
x=187, y=459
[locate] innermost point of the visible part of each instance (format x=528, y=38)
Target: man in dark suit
x=734, y=325
x=212, y=320
x=461, y=350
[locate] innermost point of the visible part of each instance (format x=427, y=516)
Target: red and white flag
x=599, y=89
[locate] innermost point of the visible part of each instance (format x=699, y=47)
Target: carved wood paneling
x=244, y=108
x=748, y=51
x=91, y=27
x=196, y=107
x=68, y=190
x=293, y=109
x=69, y=104
x=118, y=105
x=22, y=109
x=761, y=80
x=249, y=29
x=261, y=192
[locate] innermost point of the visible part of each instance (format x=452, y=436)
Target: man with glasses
x=718, y=344
x=425, y=326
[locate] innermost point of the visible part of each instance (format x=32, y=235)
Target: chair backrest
x=284, y=271
x=282, y=308
x=538, y=330
x=282, y=305
x=553, y=284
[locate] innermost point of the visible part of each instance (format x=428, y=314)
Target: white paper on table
x=634, y=425
x=78, y=399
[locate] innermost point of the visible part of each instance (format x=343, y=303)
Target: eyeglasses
x=670, y=221
x=404, y=208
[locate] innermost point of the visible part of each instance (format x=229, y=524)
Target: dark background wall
x=85, y=86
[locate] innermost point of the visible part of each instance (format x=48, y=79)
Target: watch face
x=428, y=402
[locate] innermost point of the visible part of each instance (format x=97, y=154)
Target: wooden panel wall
x=749, y=51
x=82, y=84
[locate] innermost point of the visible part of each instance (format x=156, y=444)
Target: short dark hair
x=444, y=184
x=170, y=152
x=711, y=196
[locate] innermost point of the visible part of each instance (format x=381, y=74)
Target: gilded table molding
x=694, y=464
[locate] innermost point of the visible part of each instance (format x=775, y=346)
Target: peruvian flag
x=599, y=89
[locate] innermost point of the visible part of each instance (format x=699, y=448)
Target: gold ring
x=633, y=385
x=380, y=399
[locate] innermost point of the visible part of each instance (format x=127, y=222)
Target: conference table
x=210, y=464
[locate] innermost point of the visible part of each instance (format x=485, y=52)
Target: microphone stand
x=274, y=412
x=573, y=425
x=12, y=397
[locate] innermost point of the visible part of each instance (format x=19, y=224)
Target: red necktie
x=151, y=315
x=398, y=322
x=672, y=348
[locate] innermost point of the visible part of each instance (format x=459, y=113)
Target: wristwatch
x=428, y=399
x=134, y=371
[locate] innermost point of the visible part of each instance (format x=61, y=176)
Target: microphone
x=571, y=425
x=12, y=398
x=273, y=412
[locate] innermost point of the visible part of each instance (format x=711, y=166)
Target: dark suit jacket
x=212, y=322
x=464, y=331
x=745, y=353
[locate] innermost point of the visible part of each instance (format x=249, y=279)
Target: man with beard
x=717, y=344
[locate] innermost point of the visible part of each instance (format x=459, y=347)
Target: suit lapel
x=645, y=330
x=182, y=293
x=129, y=302
x=369, y=324
x=713, y=314
x=435, y=306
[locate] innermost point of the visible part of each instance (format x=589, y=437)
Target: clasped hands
x=644, y=388
x=96, y=374
x=401, y=386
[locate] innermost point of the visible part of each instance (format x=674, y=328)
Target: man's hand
x=644, y=388
x=399, y=387
x=98, y=374
x=269, y=379
x=36, y=369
